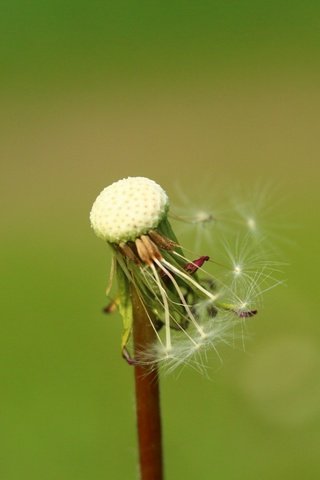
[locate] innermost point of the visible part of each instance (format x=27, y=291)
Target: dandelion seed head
x=128, y=209
x=190, y=310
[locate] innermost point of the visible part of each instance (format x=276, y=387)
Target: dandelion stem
x=147, y=397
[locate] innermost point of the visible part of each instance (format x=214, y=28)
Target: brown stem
x=147, y=398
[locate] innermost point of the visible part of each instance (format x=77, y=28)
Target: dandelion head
x=189, y=310
x=127, y=209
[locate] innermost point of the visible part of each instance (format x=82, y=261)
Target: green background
x=202, y=97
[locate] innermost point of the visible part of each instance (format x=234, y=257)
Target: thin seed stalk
x=147, y=397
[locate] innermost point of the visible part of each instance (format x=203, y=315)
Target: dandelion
x=175, y=311
x=188, y=314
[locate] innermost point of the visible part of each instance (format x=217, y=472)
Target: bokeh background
x=202, y=97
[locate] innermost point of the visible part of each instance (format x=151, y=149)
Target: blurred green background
x=215, y=93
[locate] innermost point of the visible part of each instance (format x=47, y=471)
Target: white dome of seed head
x=128, y=208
